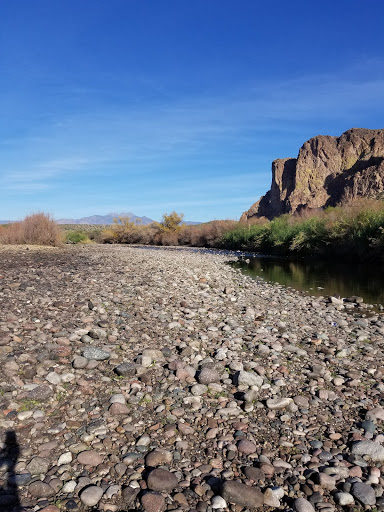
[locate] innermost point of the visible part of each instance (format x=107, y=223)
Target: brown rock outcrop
x=326, y=171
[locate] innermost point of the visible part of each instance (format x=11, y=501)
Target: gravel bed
x=167, y=380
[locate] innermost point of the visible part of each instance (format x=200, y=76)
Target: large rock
x=162, y=480
x=91, y=495
x=90, y=458
x=303, y=505
x=42, y=392
x=374, y=451
x=364, y=493
x=157, y=457
x=95, y=353
x=38, y=466
x=40, y=490
x=242, y=494
x=249, y=379
x=326, y=170
x=153, y=502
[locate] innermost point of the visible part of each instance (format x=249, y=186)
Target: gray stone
x=97, y=333
x=38, y=466
x=199, y=389
x=91, y=495
x=276, y=404
x=364, y=493
x=368, y=426
x=158, y=457
x=40, y=490
x=242, y=494
x=54, y=378
x=86, y=339
x=374, y=451
x=129, y=495
x=144, y=440
x=89, y=458
x=125, y=369
x=129, y=458
x=161, y=480
x=42, y=392
x=303, y=505
x=80, y=362
x=153, y=502
x=376, y=414
x=344, y=498
x=249, y=379
x=118, y=398
x=208, y=376
x=218, y=502
x=254, y=474
x=95, y=353
x=245, y=446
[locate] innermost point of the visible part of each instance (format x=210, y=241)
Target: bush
x=353, y=230
x=171, y=222
x=92, y=232
x=76, y=237
x=35, y=229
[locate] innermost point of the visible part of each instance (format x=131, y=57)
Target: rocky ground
x=155, y=380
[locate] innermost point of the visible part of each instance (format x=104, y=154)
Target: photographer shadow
x=9, y=455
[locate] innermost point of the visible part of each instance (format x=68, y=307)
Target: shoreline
x=117, y=361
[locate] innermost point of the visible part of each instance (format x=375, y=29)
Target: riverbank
x=117, y=361
x=352, y=232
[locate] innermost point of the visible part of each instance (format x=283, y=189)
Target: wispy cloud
x=202, y=131
x=27, y=188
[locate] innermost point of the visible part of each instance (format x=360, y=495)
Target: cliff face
x=326, y=171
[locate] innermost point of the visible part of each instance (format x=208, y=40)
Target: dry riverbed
x=153, y=380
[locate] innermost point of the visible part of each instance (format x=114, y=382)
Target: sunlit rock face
x=327, y=170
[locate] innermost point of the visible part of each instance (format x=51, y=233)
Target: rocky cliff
x=326, y=171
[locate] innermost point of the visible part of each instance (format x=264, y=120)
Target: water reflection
x=320, y=277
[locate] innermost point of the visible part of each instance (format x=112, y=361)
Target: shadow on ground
x=9, y=454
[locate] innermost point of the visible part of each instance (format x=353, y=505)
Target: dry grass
x=35, y=229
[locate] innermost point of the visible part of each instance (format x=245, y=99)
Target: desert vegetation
x=35, y=229
x=170, y=231
x=352, y=230
x=81, y=233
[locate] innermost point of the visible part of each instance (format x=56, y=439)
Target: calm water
x=319, y=278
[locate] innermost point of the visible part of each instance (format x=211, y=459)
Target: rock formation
x=326, y=171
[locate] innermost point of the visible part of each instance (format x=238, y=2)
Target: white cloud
x=146, y=138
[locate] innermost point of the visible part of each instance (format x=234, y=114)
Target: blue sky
x=154, y=105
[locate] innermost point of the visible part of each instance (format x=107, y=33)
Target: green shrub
x=76, y=237
x=353, y=230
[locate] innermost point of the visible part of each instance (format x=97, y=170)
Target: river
x=319, y=277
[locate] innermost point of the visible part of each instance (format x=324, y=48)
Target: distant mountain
x=105, y=219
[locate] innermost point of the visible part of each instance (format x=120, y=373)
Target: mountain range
x=108, y=219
